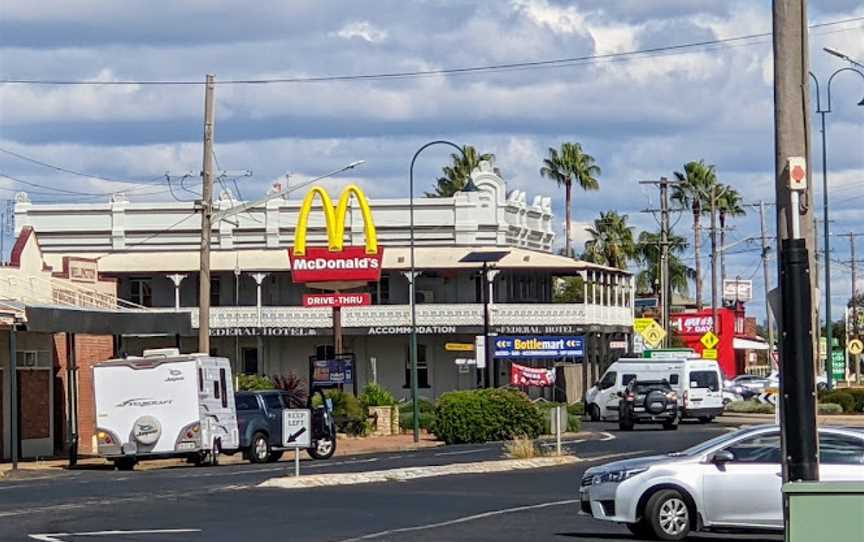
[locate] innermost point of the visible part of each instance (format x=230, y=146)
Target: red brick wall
x=89, y=350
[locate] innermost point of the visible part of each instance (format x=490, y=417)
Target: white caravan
x=698, y=383
x=164, y=404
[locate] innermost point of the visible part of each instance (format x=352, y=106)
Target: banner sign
x=539, y=347
x=693, y=325
x=335, y=263
x=336, y=300
x=530, y=376
x=737, y=290
x=332, y=371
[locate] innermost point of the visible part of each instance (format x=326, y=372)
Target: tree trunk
x=568, y=250
x=697, y=245
x=722, y=250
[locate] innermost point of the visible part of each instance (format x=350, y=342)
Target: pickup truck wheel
x=274, y=457
x=259, y=448
x=706, y=419
x=324, y=449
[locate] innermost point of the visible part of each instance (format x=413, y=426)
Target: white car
x=729, y=482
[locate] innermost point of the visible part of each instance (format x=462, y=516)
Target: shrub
x=253, y=383
x=483, y=415
x=577, y=409
x=846, y=400
x=347, y=412
x=574, y=422
x=295, y=388
x=406, y=420
x=749, y=407
x=858, y=394
x=521, y=448
x=830, y=408
x=375, y=395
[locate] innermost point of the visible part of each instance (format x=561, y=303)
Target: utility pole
x=665, y=231
x=206, y=220
x=854, y=303
x=714, y=259
x=793, y=195
x=767, y=280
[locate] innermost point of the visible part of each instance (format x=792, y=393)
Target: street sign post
x=653, y=334
x=297, y=432
x=855, y=347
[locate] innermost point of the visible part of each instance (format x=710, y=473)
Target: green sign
x=838, y=365
x=668, y=353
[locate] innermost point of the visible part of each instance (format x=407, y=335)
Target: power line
x=72, y=171
x=555, y=63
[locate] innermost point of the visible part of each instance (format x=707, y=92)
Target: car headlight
x=620, y=475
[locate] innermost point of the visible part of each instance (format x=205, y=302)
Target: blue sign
x=332, y=371
x=532, y=346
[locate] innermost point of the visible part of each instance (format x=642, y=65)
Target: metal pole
x=13, y=393
x=72, y=395
x=828, y=324
x=206, y=216
x=714, y=313
x=296, y=462
x=490, y=376
x=855, y=304
x=665, y=290
x=767, y=280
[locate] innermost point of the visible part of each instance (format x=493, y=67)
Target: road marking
x=607, y=437
x=463, y=452
x=55, y=537
x=464, y=519
x=563, y=443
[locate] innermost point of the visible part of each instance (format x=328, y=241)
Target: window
x=200, y=380
x=216, y=389
x=381, y=291
x=673, y=380
x=625, y=379
x=272, y=401
x=422, y=368
x=246, y=402
x=764, y=448
x=224, y=387
x=250, y=361
x=837, y=449
x=608, y=380
x=140, y=292
x=705, y=379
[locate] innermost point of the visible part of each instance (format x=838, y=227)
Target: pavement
x=846, y=420
x=223, y=503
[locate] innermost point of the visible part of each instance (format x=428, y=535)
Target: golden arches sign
x=334, y=219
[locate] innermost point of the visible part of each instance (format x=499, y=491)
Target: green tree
x=693, y=191
x=729, y=205
x=564, y=166
x=457, y=175
x=611, y=241
x=648, y=278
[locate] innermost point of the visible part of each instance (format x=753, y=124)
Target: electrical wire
x=556, y=63
x=72, y=171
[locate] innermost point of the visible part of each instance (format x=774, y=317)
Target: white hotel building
x=257, y=316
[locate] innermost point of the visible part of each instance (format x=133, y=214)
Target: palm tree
x=456, y=177
x=648, y=279
x=693, y=190
x=564, y=166
x=611, y=241
x=729, y=204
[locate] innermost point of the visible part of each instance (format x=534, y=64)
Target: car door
x=841, y=456
x=703, y=389
x=273, y=408
x=747, y=490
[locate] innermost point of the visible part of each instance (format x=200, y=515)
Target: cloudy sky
x=641, y=118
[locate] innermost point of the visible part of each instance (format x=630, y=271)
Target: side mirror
x=721, y=457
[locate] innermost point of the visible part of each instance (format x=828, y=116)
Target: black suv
x=648, y=401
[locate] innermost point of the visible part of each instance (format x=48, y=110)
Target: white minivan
x=697, y=382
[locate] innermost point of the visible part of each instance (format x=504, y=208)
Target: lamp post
x=822, y=112
x=412, y=275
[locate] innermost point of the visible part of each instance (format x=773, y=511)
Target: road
x=223, y=504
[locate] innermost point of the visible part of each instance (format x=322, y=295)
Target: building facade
x=257, y=315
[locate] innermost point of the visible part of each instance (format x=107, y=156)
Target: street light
x=411, y=282
x=845, y=57
x=822, y=112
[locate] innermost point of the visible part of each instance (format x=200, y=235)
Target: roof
x=397, y=258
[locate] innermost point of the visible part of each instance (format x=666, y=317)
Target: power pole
x=665, y=231
x=206, y=220
x=854, y=303
x=767, y=280
x=792, y=189
x=714, y=258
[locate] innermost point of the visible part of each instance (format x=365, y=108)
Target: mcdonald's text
x=319, y=264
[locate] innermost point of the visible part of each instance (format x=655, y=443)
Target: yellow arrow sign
x=709, y=340
x=653, y=334
x=855, y=347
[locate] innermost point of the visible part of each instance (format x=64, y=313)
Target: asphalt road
x=223, y=504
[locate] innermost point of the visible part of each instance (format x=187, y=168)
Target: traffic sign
x=653, y=334
x=459, y=347
x=709, y=340
x=767, y=398
x=855, y=347
x=296, y=428
x=709, y=353
x=640, y=324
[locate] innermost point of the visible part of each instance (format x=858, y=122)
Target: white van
x=697, y=382
x=164, y=405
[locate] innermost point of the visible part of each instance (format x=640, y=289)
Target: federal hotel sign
x=279, y=331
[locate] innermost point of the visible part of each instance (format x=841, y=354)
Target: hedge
x=749, y=407
x=484, y=415
x=347, y=412
x=830, y=408
x=406, y=420
x=851, y=399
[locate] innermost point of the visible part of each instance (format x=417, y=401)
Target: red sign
x=336, y=300
x=530, y=376
x=319, y=264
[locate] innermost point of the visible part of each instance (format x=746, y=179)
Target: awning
x=748, y=344
x=55, y=319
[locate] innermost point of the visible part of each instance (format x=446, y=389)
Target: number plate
x=187, y=446
x=639, y=409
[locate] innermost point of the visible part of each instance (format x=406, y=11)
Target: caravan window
x=216, y=389
x=705, y=379
x=200, y=380
x=224, y=386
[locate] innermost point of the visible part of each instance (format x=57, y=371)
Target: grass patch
x=521, y=448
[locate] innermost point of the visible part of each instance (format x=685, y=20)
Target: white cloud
x=363, y=30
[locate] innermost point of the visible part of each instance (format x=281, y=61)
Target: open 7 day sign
x=539, y=347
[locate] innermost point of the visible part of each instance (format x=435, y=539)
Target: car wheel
x=640, y=529
x=274, y=457
x=594, y=413
x=668, y=516
x=670, y=425
x=706, y=419
x=259, y=448
x=125, y=463
x=323, y=449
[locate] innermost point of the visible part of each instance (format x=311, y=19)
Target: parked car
x=747, y=386
x=821, y=381
x=259, y=415
x=696, y=382
x=730, y=482
x=648, y=401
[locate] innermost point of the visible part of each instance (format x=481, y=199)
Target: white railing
x=437, y=314
x=42, y=290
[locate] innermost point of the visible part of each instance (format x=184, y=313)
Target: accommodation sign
x=532, y=346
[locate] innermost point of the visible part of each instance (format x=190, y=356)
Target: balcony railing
x=437, y=314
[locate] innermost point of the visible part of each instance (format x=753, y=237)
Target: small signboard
x=855, y=347
x=328, y=372
x=737, y=290
x=336, y=300
x=539, y=347
x=653, y=334
x=639, y=324
x=838, y=365
x=296, y=428
x=638, y=344
x=459, y=347
x=669, y=353
x=709, y=353
x=709, y=340
x=480, y=351
x=618, y=345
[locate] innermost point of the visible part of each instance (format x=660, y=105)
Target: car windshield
x=700, y=449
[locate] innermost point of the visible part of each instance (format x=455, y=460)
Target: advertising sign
x=838, y=365
x=737, y=290
x=332, y=371
x=459, y=347
x=335, y=262
x=296, y=428
x=336, y=300
x=539, y=347
x=693, y=325
x=530, y=376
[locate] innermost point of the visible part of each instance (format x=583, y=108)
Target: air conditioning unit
x=424, y=296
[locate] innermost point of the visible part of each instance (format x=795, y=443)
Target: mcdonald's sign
x=335, y=262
